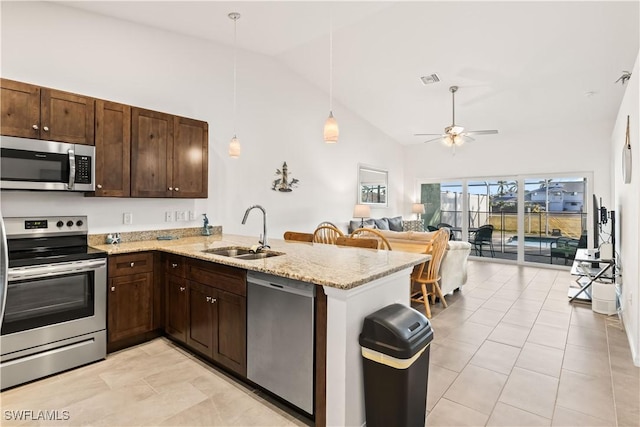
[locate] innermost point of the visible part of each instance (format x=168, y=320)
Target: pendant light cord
x=235, y=60
x=330, y=64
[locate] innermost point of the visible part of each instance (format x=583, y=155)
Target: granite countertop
x=328, y=265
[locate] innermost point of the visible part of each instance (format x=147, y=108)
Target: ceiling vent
x=432, y=78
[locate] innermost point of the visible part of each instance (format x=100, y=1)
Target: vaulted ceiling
x=519, y=65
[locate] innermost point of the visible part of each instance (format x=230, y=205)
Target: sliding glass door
x=518, y=218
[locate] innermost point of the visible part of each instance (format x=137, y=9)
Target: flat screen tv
x=595, y=215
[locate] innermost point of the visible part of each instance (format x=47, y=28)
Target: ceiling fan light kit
x=455, y=135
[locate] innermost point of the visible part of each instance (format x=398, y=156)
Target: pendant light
x=234, y=145
x=331, y=131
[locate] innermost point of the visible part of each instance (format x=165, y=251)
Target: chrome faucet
x=264, y=243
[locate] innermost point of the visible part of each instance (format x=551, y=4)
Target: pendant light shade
x=234, y=148
x=331, y=131
x=234, y=144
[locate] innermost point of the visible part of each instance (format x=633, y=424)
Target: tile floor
x=509, y=351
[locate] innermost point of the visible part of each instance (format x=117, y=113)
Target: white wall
x=280, y=118
x=576, y=149
x=627, y=206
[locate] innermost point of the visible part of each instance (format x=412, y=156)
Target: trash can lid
x=396, y=330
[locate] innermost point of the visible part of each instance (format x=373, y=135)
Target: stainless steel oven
x=33, y=164
x=55, y=299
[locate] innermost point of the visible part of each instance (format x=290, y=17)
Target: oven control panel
x=45, y=226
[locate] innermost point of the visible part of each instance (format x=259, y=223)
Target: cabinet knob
x=170, y=188
x=177, y=189
x=182, y=288
x=35, y=127
x=99, y=185
x=113, y=289
x=174, y=265
x=213, y=300
x=132, y=264
x=45, y=128
x=208, y=299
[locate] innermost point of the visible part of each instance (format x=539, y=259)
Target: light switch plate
x=127, y=218
x=192, y=215
x=168, y=216
x=181, y=216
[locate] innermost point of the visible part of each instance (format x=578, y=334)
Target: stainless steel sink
x=242, y=253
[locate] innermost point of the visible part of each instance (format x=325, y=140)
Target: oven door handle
x=20, y=273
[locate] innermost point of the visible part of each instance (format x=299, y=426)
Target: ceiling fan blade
x=439, y=138
x=481, y=132
x=426, y=134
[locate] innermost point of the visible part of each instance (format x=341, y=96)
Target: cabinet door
x=151, y=153
x=67, y=117
x=201, y=317
x=113, y=148
x=19, y=109
x=130, y=306
x=176, y=307
x=231, y=348
x=190, y=158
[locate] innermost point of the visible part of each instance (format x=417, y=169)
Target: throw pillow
x=412, y=225
x=355, y=224
x=381, y=224
x=395, y=223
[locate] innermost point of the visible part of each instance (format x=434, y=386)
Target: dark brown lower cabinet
x=206, y=309
x=217, y=325
x=176, y=308
x=130, y=299
x=202, y=315
x=130, y=306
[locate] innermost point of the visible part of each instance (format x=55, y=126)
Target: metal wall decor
x=626, y=157
x=283, y=182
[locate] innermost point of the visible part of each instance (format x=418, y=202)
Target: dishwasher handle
x=282, y=284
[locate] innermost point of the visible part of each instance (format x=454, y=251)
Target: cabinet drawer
x=120, y=265
x=175, y=265
x=223, y=277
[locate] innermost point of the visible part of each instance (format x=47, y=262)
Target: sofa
x=402, y=236
x=453, y=269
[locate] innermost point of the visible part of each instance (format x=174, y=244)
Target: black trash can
x=395, y=356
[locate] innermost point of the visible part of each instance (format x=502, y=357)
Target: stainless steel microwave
x=33, y=164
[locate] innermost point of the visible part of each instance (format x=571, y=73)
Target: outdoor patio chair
x=452, y=236
x=564, y=247
x=483, y=236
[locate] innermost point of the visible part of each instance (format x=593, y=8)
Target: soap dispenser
x=205, y=227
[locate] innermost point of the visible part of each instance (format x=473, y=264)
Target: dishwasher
x=280, y=337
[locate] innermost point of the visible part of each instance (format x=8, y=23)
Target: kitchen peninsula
x=352, y=283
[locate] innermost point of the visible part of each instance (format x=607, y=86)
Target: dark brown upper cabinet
x=31, y=111
x=113, y=149
x=190, y=158
x=169, y=155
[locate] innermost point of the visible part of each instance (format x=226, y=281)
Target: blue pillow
x=395, y=224
x=382, y=223
x=355, y=224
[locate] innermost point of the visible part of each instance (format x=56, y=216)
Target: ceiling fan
x=455, y=135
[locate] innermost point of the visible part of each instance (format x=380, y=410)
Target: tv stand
x=588, y=269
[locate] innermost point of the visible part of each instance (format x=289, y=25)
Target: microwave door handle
x=72, y=169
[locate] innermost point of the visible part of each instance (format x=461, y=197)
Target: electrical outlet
x=127, y=218
x=192, y=215
x=181, y=216
x=168, y=216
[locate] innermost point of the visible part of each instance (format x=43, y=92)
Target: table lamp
x=362, y=212
x=417, y=208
